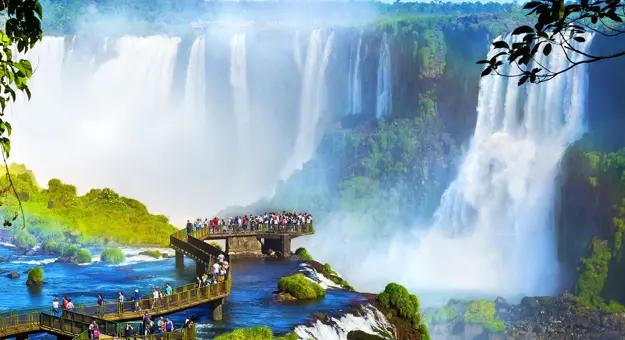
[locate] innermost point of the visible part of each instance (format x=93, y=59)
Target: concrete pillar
x=179, y=260
x=217, y=307
x=200, y=269
x=285, y=245
x=227, y=245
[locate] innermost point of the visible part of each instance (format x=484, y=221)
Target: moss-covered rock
x=302, y=254
x=255, y=333
x=35, y=276
x=152, y=253
x=83, y=256
x=112, y=255
x=407, y=306
x=301, y=287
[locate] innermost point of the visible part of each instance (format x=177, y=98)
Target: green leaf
x=6, y=145
x=612, y=15
x=501, y=44
x=522, y=30
x=579, y=39
x=9, y=128
x=482, y=62
x=547, y=49
x=487, y=71
x=531, y=4
x=523, y=80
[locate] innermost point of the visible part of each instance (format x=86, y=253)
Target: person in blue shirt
x=168, y=289
x=137, y=299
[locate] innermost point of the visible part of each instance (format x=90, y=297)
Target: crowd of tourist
x=269, y=221
x=219, y=273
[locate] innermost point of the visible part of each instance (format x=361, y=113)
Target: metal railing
x=191, y=250
x=58, y=325
x=186, y=333
x=258, y=228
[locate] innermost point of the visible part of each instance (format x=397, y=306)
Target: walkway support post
x=179, y=260
x=217, y=307
x=285, y=245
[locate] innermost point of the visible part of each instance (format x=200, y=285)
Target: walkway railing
x=287, y=229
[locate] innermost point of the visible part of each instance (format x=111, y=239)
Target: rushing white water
x=195, y=91
x=494, y=227
x=383, y=103
x=174, y=125
x=367, y=319
x=355, y=86
x=313, y=101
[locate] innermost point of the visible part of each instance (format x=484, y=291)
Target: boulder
x=284, y=296
x=13, y=275
x=31, y=283
x=66, y=259
x=30, y=252
x=270, y=252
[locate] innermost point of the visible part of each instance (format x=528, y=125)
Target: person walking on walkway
x=137, y=301
x=55, y=307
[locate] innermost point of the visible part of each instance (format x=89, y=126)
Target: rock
x=167, y=256
x=13, y=275
x=284, y=296
x=270, y=252
x=140, y=277
x=320, y=316
x=30, y=252
x=66, y=259
x=31, y=283
x=360, y=335
x=2, y=271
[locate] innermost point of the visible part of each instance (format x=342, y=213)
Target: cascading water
x=195, y=91
x=383, y=103
x=493, y=230
x=355, y=88
x=312, y=102
x=238, y=81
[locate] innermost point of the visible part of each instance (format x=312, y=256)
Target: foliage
x=334, y=277
x=100, y=216
x=255, y=333
x=51, y=246
x=216, y=245
x=83, y=256
x=559, y=25
x=69, y=250
x=301, y=287
x=407, y=306
x=112, y=255
x=35, y=275
x=483, y=312
x=302, y=254
x=22, y=239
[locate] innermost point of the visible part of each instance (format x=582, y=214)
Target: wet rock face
x=13, y=275
x=67, y=259
x=284, y=296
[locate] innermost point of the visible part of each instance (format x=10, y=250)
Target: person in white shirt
x=55, y=307
x=215, y=270
x=155, y=296
x=221, y=257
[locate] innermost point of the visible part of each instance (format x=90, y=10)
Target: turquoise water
x=250, y=304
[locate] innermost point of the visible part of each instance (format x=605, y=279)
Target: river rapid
x=250, y=303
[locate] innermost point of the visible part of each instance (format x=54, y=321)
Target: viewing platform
x=251, y=241
x=110, y=316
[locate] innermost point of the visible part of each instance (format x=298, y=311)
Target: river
x=250, y=303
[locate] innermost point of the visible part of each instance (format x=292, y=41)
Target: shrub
x=301, y=287
x=302, y=253
x=23, y=239
x=35, y=275
x=51, y=246
x=406, y=304
x=69, y=250
x=483, y=312
x=255, y=333
x=216, y=245
x=83, y=256
x=495, y=326
x=112, y=255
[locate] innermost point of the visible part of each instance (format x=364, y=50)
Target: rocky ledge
x=545, y=317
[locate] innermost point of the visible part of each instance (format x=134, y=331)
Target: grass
x=152, y=253
x=112, y=255
x=301, y=287
x=101, y=216
x=255, y=333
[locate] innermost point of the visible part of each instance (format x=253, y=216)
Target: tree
x=21, y=30
x=560, y=26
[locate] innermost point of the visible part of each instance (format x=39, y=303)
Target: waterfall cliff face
x=206, y=123
x=383, y=103
x=494, y=229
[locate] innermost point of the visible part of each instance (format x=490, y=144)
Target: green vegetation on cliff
x=301, y=287
x=255, y=333
x=483, y=312
x=302, y=254
x=407, y=305
x=112, y=255
x=57, y=215
x=152, y=253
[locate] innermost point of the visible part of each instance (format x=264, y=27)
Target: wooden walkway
x=73, y=324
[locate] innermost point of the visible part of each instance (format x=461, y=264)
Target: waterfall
x=297, y=53
x=238, y=81
x=355, y=88
x=195, y=91
x=383, y=103
x=494, y=228
x=312, y=104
